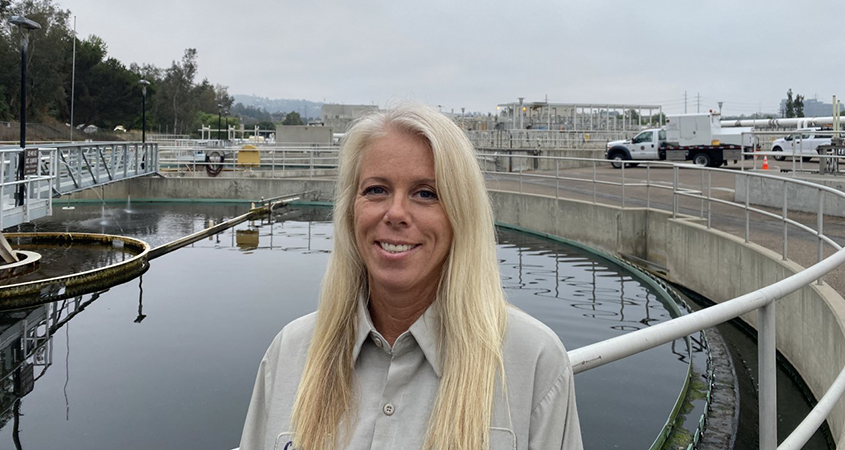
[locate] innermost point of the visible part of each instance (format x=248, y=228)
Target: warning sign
x=30, y=161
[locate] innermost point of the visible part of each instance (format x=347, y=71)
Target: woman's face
x=401, y=229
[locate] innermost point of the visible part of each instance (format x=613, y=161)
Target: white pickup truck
x=804, y=142
x=688, y=137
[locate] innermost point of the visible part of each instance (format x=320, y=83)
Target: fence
x=270, y=161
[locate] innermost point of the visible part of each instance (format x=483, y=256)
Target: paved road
x=802, y=246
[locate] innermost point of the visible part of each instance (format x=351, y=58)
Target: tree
x=790, y=104
x=292, y=118
x=799, y=106
x=174, y=94
x=658, y=118
x=47, y=54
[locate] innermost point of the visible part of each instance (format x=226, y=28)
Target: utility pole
x=698, y=102
x=685, y=102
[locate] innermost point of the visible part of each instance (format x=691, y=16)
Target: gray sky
x=476, y=54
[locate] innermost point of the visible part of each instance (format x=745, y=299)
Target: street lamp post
x=24, y=25
x=219, y=113
x=144, y=84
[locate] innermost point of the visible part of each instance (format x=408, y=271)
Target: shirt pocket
x=284, y=441
x=502, y=439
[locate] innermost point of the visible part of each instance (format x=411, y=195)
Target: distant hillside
x=305, y=108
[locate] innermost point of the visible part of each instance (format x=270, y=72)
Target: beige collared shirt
x=397, y=387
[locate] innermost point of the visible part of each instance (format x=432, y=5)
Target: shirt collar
x=426, y=331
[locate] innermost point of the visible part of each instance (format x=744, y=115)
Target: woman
x=413, y=344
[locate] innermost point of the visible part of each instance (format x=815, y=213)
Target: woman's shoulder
x=530, y=343
x=296, y=335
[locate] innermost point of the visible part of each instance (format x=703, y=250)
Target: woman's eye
x=377, y=190
x=427, y=194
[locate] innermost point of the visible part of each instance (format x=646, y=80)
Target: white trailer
x=685, y=137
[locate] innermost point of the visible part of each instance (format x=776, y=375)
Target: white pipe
x=798, y=122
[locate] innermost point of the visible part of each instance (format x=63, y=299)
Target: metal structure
x=584, y=117
x=62, y=169
x=543, y=139
x=762, y=300
x=272, y=161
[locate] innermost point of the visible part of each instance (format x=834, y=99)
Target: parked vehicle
x=687, y=137
x=804, y=142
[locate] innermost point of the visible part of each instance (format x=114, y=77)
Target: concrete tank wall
x=769, y=192
x=719, y=266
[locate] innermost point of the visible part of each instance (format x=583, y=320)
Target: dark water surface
x=167, y=361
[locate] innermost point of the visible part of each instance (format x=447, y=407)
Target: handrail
x=762, y=300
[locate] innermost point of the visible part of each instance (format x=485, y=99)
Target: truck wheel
x=778, y=158
x=806, y=159
x=616, y=160
x=701, y=159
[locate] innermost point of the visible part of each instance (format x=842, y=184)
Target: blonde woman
x=413, y=345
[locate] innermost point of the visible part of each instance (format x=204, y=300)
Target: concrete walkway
x=802, y=247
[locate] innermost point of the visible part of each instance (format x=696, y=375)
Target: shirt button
x=378, y=342
x=389, y=409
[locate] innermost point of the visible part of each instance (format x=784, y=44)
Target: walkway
x=766, y=232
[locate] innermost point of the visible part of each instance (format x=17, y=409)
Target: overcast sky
x=476, y=54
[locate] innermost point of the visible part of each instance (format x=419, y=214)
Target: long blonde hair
x=470, y=297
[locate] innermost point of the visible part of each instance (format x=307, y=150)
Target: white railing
x=264, y=161
x=544, y=139
x=82, y=166
x=65, y=168
x=614, y=185
x=28, y=197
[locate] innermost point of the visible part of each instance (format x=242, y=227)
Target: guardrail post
x=557, y=179
x=701, y=190
x=675, y=191
x=820, y=229
x=785, y=225
x=709, y=196
x=623, y=185
x=3, y=166
x=648, y=185
x=594, y=181
x=767, y=374
x=747, y=204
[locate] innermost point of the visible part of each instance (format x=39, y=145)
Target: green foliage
x=658, y=118
x=790, y=105
x=106, y=92
x=292, y=118
x=251, y=115
x=794, y=105
x=5, y=112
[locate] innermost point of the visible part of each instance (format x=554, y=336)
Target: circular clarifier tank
x=62, y=265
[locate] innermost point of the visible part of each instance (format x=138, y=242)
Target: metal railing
x=265, y=161
x=63, y=169
x=29, y=197
x=85, y=165
x=544, y=139
x=701, y=196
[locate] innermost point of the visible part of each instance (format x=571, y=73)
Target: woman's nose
x=397, y=211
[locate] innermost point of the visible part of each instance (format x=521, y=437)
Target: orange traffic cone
x=765, y=163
